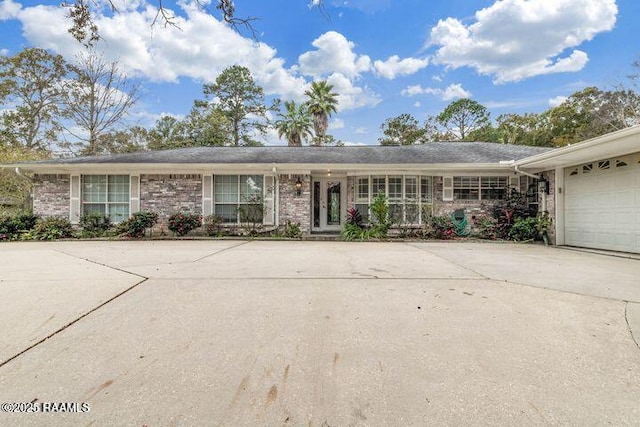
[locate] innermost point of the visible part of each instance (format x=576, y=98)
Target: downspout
x=517, y=169
x=22, y=175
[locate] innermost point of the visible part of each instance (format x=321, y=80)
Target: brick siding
x=169, y=194
x=294, y=208
x=51, y=195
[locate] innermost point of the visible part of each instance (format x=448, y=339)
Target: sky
x=383, y=57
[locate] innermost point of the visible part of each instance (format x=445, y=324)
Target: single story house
x=590, y=189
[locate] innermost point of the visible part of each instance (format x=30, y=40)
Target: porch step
x=322, y=237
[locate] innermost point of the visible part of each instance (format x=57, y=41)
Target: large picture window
x=406, y=195
x=107, y=194
x=239, y=198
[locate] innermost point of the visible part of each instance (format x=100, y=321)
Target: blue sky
x=384, y=57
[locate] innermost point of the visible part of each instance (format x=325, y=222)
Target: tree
x=321, y=103
x=462, y=117
x=96, y=101
x=206, y=127
x=527, y=129
x=402, y=130
x=241, y=101
x=15, y=189
x=131, y=140
x=295, y=124
x=84, y=29
x=166, y=133
x=30, y=89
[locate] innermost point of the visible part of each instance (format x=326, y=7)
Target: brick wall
x=471, y=207
x=169, y=194
x=294, y=208
x=51, y=195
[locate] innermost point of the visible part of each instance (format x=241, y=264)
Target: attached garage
x=595, y=192
x=602, y=204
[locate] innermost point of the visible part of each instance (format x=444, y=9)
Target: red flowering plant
x=182, y=223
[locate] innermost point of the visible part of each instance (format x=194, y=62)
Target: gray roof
x=430, y=153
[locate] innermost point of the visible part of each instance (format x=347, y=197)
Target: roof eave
x=613, y=144
x=200, y=168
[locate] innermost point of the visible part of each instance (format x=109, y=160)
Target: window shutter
x=269, y=197
x=447, y=188
x=134, y=194
x=207, y=195
x=74, y=200
x=514, y=182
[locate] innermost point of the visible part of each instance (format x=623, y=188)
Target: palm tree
x=295, y=124
x=322, y=102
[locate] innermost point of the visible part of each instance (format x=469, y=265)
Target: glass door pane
x=333, y=203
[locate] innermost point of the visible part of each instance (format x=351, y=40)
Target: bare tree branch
x=85, y=30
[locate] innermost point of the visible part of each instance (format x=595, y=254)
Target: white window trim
x=480, y=188
x=81, y=198
x=360, y=201
x=268, y=201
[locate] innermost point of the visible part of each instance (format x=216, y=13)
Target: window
x=238, y=198
x=107, y=194
x=362, y=197
x=405, y=194
x=493, y=187
x=466, y=187
x=378, y=185
x=479, y=188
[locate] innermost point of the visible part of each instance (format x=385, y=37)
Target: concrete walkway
x=237, y=333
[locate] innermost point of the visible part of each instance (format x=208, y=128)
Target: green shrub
x=94, y=224
x=441, y=227
x=213, y=225
x=182, y=223
x=380, y=221
x=543, y=225
x=524, y=229
x=136, y=225
x=352, y=231
x=292, y=230
x=486, y=227
x=506, y=211
x=8, y=229
x=51, y=228
x=12, y=227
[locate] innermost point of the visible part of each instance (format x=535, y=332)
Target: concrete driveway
x=235, y=333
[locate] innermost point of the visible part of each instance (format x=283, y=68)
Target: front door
x=329, y=203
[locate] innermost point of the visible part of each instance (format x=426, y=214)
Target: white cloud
x=453, y=91
x=9, y=10
x=334, y=54
x=165, y=54
x=336, y=124
x=362, y=131
x=4, y=52
x=417, y=104
x=514, y=39
x=554, y=102
x=351, y=96
x=394, y=66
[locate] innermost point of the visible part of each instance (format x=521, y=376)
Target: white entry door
x=329, y=200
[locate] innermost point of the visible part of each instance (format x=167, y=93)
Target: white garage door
x=602, y=204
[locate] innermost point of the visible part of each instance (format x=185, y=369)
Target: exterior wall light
x=298, y=187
